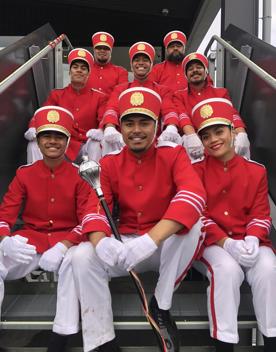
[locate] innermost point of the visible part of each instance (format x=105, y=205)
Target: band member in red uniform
x=159, y=222
x=237, y=223
x=86, y=104
x=169, y=72
x=105, y=75
x=53, y=198
x=141, y=58
x=200, y=87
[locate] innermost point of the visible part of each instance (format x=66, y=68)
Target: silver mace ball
x=89, y=170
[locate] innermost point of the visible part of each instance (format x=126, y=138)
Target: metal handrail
x=250, y=64
x=8, y=81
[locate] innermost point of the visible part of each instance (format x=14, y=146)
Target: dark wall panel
x=259, y=101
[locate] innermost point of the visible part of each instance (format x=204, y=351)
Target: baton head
x=89, y=170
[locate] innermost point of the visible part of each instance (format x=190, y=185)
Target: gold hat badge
x=103, y=38
x=81, y=53
x=53, y=116
x=206, y=111
x=192, y=57
x=141, y=47
x=136, y=99
x=174, y=35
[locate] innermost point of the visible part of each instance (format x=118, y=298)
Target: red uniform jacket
x=106, y=77
x=168, y=111
x=161, y=184
x=169, y=74
x=87, y=107
x=53, y=204
x=185, y=100
x=237, y=199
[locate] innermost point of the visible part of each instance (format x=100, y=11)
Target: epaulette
x=76, y=165
x=26, y=165
x=97, y=90
x=253, y=161
x=166, y=144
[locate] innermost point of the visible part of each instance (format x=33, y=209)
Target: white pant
x=12, y=270
x=226, y=276
x=172, y=259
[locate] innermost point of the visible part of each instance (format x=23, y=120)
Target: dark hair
x=82, y=61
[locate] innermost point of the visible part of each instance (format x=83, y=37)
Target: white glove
x=111, y=135
x=108, y=250
x=95, y=134
x=242, y=144
x=16, y=247
x=252, y=246
x=30, y=134
x=193, y=145
x=170, y=134
x=52, y=258
x=236, y=248
x=137, y=250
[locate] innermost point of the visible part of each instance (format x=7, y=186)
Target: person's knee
x=83, y=255
x=229, y=272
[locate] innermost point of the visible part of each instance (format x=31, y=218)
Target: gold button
x=178, y=74
x=139, y=213
x=198, y=93
x=101, y=67
x=140, y=188
x=100, y=88
x=80, y=134
x=225, y=169
x=77, y=125
x=51, y=222
x=52, y=175
x=226, y=213
x=77, y=109
x=230, y=233
x=101, y=77
x=139, y=161
x=49, y=234
x=224, y=191
x=52, y=200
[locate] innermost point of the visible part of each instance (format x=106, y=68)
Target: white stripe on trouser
x=67, y=317
x=92, y=275
x=223, y=294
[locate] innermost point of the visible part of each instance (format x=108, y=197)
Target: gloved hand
x=30, y=134
x=137, y=250
x=52, y=258
x=242, y=144
x=16, y=248
x=170, y=134
x=252, y=246
x=236, y=248
x=111, y=135
x=193, y=145
x=108, y=250
x=95, y=134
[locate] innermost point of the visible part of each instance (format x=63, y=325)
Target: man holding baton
x=161, y=200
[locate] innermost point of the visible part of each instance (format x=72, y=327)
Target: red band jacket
x=161, y=184
x=105, y=77
x=53, y=204
x=169, y=74
x=168, y=111
x=237, y=199
x=87, y=107
x=185, y=100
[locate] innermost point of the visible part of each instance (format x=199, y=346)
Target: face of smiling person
x=138, y=132
x=79, y=73
x=102, y=54
x=141, y=66
x=52, y=145
x=218, y=142
x=196, y=73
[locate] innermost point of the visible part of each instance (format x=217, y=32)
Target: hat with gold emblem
x=213, y=111
x=102, y=39
x=140, y=100
x=195, y=57
x=53, y=118
x=80, y=54
x=174, y=36
x=142, y=48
